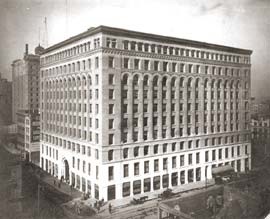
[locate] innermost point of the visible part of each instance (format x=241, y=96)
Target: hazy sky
x=238, y=23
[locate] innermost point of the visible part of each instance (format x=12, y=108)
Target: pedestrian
x=110, y=208
x=54, y=182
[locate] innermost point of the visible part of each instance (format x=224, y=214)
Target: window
x=206, y=156
x=136, y=63
x=136, y=169
x=111, y=138
x=164, y=148
x=146, y=166
x=111, y=62
x=110, y=173
x=136, y=152
x=111, y=94
x=156, y=65
x=165, y=163
x=197, y=157
x=220, y=154
x=155, y=149
x=146, y=150
x=213, y=155
x=111, y=79
x=96, y=62
x=111, y=121
x=182, y=160
x=174, y=162
x=126, y=62
x=126, y=170
x=190, y=159
x=111, y=108
x=156, y=165
x=125, y=153
x=110, y=155
x=146, y=65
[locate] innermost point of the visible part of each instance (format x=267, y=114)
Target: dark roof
x=146, y=36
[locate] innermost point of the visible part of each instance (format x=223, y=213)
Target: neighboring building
x=260, y=108
x=25, y=78
x=28, y=140
x=260, y=139
x=125, y=112
x=32, y=137
x=5, y=102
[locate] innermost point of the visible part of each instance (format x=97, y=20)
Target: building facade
x=125, y=112
x=5, y=102
x=25, y=86
x=260, y=139
x=26, y=83
x=32, y=137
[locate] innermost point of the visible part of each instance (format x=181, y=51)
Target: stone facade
x=125, y=113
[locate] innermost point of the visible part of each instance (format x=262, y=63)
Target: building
x=5, y=101
x=25, y=101
x=125, y=112
x=32, y=137
x=25, y=78
x=28, y=134
x=260, y=108
x=260, y=139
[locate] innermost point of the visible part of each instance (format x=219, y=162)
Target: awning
x=222, y=170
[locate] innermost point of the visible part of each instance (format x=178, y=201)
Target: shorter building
x=5, y=101
x=260, y=107
x=260, y=139
x=28, y=134
x=32, y=133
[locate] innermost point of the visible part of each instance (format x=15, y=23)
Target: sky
x=238, y=23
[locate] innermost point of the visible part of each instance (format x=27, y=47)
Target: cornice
x=171, y=57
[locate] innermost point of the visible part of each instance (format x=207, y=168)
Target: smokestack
x=26, y=49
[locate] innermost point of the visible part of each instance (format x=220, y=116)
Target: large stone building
x=5, y=102
x=125, y=112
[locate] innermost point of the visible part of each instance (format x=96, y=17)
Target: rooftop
x=146, y=36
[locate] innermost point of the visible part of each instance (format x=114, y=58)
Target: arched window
x=164, y=81
x=213, y=84
x=155, y=81
x=125, y=79
x=205, y=83
x=197, y=83
x=135, y=80
x=173, y=82
x=181, y=82
x=145, y=80
x=189, y=83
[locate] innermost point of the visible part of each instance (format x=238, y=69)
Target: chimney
x=26, y=49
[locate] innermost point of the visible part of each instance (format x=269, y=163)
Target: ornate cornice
x=171, y=57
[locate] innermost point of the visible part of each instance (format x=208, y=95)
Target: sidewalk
x=122, y=207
